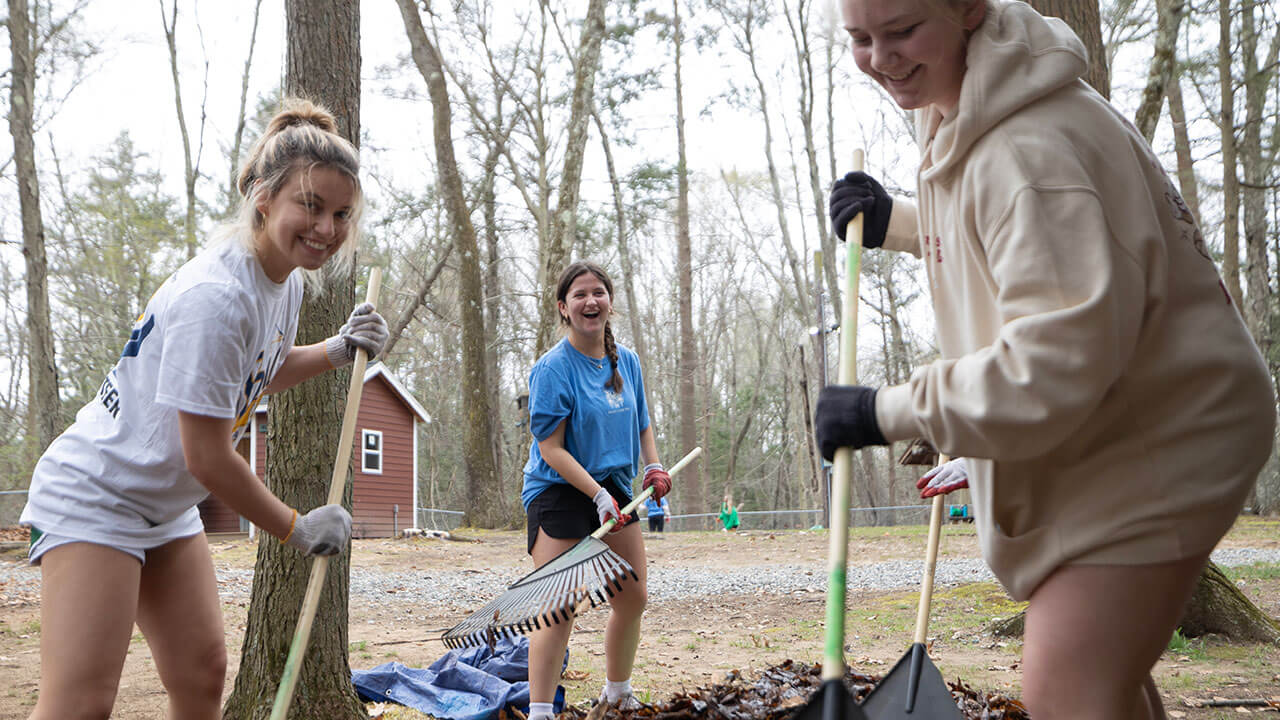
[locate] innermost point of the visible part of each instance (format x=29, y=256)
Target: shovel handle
x=642, y=496
x=930, y=563
x=337, y=484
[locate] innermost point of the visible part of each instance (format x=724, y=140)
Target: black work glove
x=859, y=192
x=846, y=417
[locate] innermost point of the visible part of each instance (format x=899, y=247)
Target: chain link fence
x=11, y=504
x=436, y=519
x=804, y=519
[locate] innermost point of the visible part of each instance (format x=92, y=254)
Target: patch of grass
x=32, y=627
x=1256, y=571
x=356, y=646
x=1253, y=528
x=1193, y=648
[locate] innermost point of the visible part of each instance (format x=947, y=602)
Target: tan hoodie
x=1089, y=348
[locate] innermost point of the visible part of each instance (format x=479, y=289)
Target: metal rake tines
x=587, y=573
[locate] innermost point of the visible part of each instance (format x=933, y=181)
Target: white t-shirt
x=208, y=343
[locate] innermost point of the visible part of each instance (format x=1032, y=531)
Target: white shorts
x=48, y=541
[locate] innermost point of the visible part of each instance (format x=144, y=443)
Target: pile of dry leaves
x=779, y=692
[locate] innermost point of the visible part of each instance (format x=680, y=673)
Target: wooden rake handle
x=930, y=563
x=337, y=484
x=635, y=502
x=842, y=464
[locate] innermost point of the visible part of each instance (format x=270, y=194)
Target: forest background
x=686, y=145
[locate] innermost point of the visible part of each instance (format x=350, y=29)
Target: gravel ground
x=455, y=589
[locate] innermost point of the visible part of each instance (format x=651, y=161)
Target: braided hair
x=573, y=272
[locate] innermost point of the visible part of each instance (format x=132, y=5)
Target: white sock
x=615, y=691
x=541, y=711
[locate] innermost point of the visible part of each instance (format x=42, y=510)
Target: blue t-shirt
x=656, y=508
x=603, y=431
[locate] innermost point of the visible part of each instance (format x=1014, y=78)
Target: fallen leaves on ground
x=777, y=693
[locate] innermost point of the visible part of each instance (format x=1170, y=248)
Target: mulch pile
x=781, y=690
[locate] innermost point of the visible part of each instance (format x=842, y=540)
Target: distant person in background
x=728, y=514
x=658, y=510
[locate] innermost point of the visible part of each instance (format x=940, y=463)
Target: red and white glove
x=951, y=475
x=656, y=476
x=607, y=507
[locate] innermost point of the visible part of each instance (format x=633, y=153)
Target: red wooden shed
x=385, y=461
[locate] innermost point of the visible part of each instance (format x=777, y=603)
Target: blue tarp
x=466, y=684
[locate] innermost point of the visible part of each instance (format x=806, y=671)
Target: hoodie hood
x=1015, y=57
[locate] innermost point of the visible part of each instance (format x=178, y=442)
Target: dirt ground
x=691, y=643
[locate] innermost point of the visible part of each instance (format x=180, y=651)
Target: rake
x=337, y=485
x=552, y=594
x=832, y=700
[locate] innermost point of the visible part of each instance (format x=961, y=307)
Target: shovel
x=914, y=688
x=833, y=700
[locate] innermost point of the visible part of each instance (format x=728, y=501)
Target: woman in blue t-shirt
x=590, y=424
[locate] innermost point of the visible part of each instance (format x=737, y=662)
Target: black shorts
x=563, y=512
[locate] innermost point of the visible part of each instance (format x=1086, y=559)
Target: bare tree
x=322, y=62
x=697, y=494
x=191, y=164
x=1169, y=15
x=1230, y=178
x=484, y=497
x=1085, y=20
x=565, y=219
x=43, y=407
x=238, y=138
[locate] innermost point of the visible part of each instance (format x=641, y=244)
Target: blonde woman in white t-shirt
x=112, y=507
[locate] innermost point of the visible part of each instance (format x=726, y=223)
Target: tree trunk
x=1259, y=308
x=1168, y=19
x=1182, y=147
x=564, y=223
x=624, y=247
x=697, y=495
x=322, y=62
x=1085, y=21
x=1217, y=606
x=191, y=168
x=484, y=490
x=1230, y=178
x=43, y=405
x=238, y=138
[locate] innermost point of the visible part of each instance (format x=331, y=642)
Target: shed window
x=371, y=451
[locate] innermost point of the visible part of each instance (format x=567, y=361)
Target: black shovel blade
x=833, y=701
x=912, y=690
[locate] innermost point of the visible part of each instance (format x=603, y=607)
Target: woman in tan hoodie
x=1111, y=406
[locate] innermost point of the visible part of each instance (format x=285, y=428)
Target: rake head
x=586, y=572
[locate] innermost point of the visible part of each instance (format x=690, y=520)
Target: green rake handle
x=842, y=467
x=635, y=502
x=337, y=484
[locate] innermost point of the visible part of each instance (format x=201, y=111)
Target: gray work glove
x=365, y=330
x=323, y=531
x=606, y=507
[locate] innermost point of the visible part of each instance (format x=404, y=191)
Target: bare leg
x=88, y=597
x=622, y=633
x=546, y=646
x=181, y=617
x=1094, y=632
